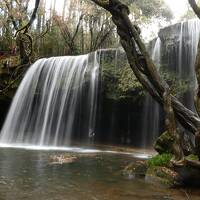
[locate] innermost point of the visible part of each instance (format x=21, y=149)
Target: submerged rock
x=135, y=170
x=62, y=159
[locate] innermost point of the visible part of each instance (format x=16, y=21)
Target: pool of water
x=28, y=174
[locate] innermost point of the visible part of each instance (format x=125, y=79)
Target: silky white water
x=187, y=50
x=56, y=100
x=180, y=48
x=151, y=117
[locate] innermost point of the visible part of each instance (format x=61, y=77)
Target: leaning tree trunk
x=172, y=129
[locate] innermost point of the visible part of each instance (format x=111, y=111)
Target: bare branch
x=9, y=7
x=78, y=26
x=33, y=16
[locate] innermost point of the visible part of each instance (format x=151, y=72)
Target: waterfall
x=151, y=112
x=56, y=101
x=176, y=52
x=187, y=50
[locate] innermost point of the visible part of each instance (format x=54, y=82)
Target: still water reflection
x=27, y=174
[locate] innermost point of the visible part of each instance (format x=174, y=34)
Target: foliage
x=177, y=85
x=147, y=13
x=119, y=80
x=146, y=10
x=127, y=80
x=160, y=160
x=120, y=83
x=192, y=157
x=93, y=30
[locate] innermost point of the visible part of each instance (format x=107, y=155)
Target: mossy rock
x=164, y=143
x=160, y=160
x=161, y=170
x=192, y=157
x=163, y=175
x=135, y=170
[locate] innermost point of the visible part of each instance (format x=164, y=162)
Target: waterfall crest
x=55, y=101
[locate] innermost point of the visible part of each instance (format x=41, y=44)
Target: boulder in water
x=163, y=175
x=135, y=170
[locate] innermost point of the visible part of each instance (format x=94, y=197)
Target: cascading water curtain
x=47, y=108
x=151, y=112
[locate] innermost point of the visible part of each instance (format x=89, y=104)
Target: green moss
x=164, y=143
x=192, y=157
x=163, y=175
x=119, y=81
x=160, y=160
x=178, y=86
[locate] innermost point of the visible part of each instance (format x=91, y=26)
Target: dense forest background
x=80, y=27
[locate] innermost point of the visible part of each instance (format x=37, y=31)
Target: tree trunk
x=172, y=129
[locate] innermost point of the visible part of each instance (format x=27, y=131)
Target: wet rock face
x=170, y=34
x=119, y=123
x=9, y=71
x=4, y=106
x=179, y=43
x=170, y=46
